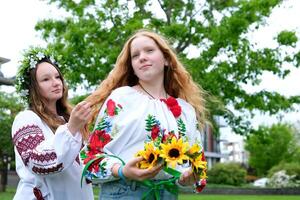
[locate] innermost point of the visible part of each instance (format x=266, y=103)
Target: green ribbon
x=155, y=188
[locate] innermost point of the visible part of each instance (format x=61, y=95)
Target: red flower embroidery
x=111, y=107
x=154, y=132
x=168, y=136
x=176, y=110
x=95, y=165
x=173, y=105
x=97, y=141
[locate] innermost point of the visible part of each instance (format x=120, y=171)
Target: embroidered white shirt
x=127, y=127
x=47, y=161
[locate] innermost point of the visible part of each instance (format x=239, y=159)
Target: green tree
x=9, y=107
x=92, y=35
x=268, y=146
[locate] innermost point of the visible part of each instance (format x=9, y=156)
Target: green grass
x=237, y=197
x=8, y=195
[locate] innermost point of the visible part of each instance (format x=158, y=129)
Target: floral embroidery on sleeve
x=102, y=135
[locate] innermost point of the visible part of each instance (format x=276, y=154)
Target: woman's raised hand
x=79, y=116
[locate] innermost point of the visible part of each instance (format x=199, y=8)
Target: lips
x=57, y=91
x=144, y=66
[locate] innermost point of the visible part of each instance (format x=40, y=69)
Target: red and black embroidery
x=43, y=170
x=26, y=139
x=43, y=157
x=38, y=194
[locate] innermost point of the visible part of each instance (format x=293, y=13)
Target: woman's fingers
x=79, y=116
x=133, y=172
x=187, y=178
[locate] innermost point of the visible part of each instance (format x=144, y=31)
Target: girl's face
x=147, y=59
x=49, y=82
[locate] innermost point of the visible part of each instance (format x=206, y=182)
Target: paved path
x=12, y=179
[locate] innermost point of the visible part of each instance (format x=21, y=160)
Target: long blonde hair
x=177, y=81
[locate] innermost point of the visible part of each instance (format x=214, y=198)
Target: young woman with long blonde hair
x=148, y=94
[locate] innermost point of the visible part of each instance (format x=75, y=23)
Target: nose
x=142, y=57
x=56, y=81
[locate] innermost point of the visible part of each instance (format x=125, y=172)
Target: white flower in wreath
x=24, y=93
x=40, y=55
x=52, y=59
x=32, y=63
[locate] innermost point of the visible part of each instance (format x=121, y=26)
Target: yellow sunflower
x=194, y=149
x=203, y=175
x=198, y=163
x=174, y=152
x=150, y=155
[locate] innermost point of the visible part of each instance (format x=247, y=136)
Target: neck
x=155, y=91
x=52, y=107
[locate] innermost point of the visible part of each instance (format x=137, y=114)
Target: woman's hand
x=79, y=116
x=187, y=178
x=132, y=172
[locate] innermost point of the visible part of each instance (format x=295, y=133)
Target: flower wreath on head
x=31, y=58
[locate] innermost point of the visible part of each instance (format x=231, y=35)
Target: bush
x=285, y=175
x=290, y=168
x=281, y=179
x=227, y=173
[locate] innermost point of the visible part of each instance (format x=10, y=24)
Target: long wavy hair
x=177, y=81
x=38, y=104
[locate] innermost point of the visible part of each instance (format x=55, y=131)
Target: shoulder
x=125, y=95
x=27, y=114
x=185, y=106
x=121, y=91
x=27, y=117
x=26, y=122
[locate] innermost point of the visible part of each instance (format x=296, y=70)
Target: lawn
x=238, y=197
x=8, y=195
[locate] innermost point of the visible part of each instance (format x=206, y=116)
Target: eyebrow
x=47, y=75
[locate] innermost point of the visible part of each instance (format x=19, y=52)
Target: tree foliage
x=209, y=37
x=268, y=146
x=9, y=107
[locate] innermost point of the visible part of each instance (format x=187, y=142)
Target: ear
x=166, y=62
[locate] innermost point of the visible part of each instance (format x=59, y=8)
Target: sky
x=18, y=18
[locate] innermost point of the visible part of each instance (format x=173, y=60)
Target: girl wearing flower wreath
x=146, y=141
x=47, y=135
